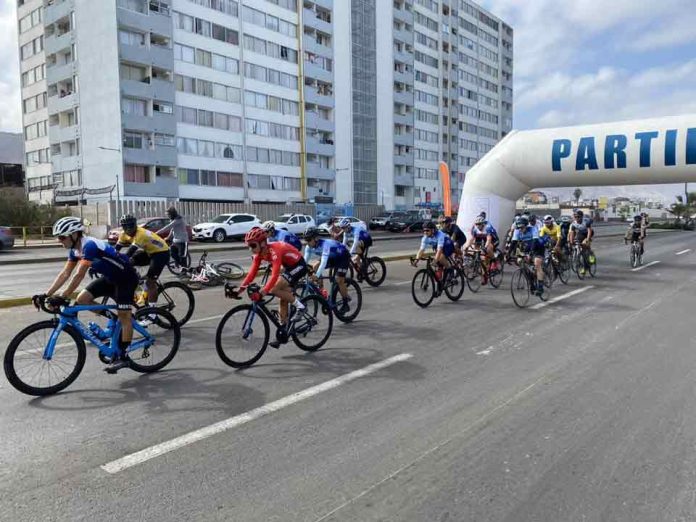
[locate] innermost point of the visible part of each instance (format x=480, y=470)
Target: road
x=584, y=409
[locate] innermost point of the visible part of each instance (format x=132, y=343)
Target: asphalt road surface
x=584, y=409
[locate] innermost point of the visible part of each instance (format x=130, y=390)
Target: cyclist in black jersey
x=449, y=227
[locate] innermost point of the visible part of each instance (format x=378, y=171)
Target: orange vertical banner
x=446, y=190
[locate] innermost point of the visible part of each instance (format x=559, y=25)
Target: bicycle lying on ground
x=429, y=283
x=46, y=357
x=211, y=274
x=243, y=333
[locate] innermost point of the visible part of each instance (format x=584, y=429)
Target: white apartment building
x=260, y=100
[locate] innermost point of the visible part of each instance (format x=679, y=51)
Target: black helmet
x=128, y=221
x=429, y=225
x=532, y=219
x=483, y=214
x=311, y=233
x=522, y=221
x=526, y=212
x=638, y=217
x=172, y=212
x=577, y=212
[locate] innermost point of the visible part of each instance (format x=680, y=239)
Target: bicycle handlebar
x=39, y=302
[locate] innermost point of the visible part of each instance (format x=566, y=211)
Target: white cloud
x=10, y=100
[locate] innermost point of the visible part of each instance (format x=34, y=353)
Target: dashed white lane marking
x=644, y=266
x=203, y=319
x=683, y=252
x=203, y=433
x=561, y=297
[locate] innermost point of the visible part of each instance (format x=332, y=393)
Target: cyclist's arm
x=356, y=238
x=123, y=241
x=469, y=241
x=166, y=228
x=62, y=277
x=82, y=268
x=253, y=270
x=324, y=259
x=276, y=265
x=307, y=253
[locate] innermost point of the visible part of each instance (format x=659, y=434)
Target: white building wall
x=343, y=94
x=385, y=104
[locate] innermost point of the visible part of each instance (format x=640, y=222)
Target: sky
x=575, y=62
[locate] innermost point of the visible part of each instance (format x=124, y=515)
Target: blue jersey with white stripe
x=286, y=237
x=103, y=258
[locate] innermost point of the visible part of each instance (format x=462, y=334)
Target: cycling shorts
x=156, y=261
x=340, y=263
x=295, y=274
x=121, y=292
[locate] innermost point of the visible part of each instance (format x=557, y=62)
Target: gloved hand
x=37, y=299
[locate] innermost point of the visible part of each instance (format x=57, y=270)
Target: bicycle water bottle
x=324, y=293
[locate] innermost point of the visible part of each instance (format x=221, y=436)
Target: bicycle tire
x=167, y=322
x=376, y=271
x=177, y=270
x=229, y=271
x=424, y=282
x=191, y=300
x=473, y=277
x=455, y=276
x=242, y=311
x=314, y=306
x=549, y=274
x=495, y=277
x=562, y=272
x=356, y=300
x=11, y=370
x=592, y=267
x=579, y=266
x=519, y=288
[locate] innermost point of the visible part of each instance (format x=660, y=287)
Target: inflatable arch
x=640, y=152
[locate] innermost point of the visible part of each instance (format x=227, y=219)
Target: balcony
x=403, y=119
x=62, y=163
x=310, y=20
x=404, y=159
x=312, y=96
x=403, y=57
x=164, y=123
x=57, y=73
x=403, y=35
x=56, y=11
x=404, y=16
x=310, y=44
x=405, y=180
x=152, y=22
x=326, y=4
x=404, y=97
x=58, y=134
x=314, y=71
x=313, y=192
x=136, y=89
x=160, y=156
x=59, y=103
x=404, y=139
x=314, y=146
x=314, y=121
x=154, y=55
x=403, y=77
x=164, y=186
x=53, y=44
x=315, y=171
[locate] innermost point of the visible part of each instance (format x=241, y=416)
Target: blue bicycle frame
x=68, y=316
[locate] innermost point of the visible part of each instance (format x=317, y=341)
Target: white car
x=295, y=223
x=224, y=226
x=325, y=230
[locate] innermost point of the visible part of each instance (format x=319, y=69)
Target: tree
x=576, y=194
x=17, y=211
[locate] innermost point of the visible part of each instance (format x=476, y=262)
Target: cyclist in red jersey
x=279, y=254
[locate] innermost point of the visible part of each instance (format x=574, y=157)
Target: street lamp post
x=118, y=188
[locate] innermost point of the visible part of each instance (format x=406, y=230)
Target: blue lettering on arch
x=615, y=151
x=691, y=146
x=586, y=155
x=561, y=149
x=671, y=148
x=645, y=142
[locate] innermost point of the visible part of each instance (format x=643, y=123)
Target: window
x=133, y=106
x=164, y=108
x=228, y=151
x=31, y=20
x=132, y=140
x=133, y=72
x=31, y=48
x=136, y=174
x=131, y=38
x=35, y=130
x=165, y=140
x=229, y=179
x=188, y=176
x=208, y=178
x=133, y=5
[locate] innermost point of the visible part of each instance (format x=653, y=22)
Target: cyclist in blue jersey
x=274, y=234
x=362, y=240
x=118, y=279
x=526, y=239
x=438, y=241
x=333, y=255
x=449, y=227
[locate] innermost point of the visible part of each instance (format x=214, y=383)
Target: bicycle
x=555, y=268
x=240, y=345
x=475, y=272
x=333, y=296
x=55, y=349
x=635, y=256
x=524, y=280
x=174, y=267
x=430, y=282
x=581, y=262
x=212, y=274
x=372, y=270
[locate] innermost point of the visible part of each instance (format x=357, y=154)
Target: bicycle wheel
x=178, y=270
x=519, y=288
x=592, y=267
x=28, y=371
x=177, y=299
x=237, y=342
x=562, y=270
x=454, y=284
x=495, y=272
x=472, y=272
x=313, y=325
x=549, y=273
x=229, y=271
x=159, y=334
x=376, y=271
x=423, y=288
x=355, y=302
x=579, y=265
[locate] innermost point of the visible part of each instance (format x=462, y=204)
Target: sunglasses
x=62, y=238
x=253, y=245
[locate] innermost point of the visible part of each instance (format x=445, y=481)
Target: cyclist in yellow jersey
x=144, y=248
x=552, y=230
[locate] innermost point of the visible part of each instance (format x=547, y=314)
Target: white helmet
x=67, y=225
x=268, y=226
x=548, y=218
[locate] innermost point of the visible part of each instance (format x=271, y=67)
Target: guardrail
x=38, y=234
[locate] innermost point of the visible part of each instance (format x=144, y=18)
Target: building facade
x=260, y=100
x=11, y=159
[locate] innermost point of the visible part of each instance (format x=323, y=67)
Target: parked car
x=411, y=221
x=224, y=226
x=295, y=223
x=152, y=224
x=381, y=222
x=324, y=228
x=6, y=238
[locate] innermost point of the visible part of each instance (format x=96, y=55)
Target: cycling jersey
x=480, y=236
x=279, y=254
x=552, y=233
x=529, y=240
x=565, y=228
x=286, y=237
x=439, y=240
x=582, y=228
x=143, y=239
x=333, y=254
x=636, y=231
x=358, y=233
x=456, y=234
x=103, y=259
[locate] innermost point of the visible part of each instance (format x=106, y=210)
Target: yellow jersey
x=150, y=242
x=553, y=232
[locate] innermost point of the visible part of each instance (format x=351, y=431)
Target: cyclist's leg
x=100, y=287
x=341, y=267
x=283, y=289
x=157, y=263
x=176, y=254
x=123, y=295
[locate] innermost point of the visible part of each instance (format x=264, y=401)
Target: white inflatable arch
x=640, y=152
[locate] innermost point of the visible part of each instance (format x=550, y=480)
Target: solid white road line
x=644, y=266
x=203, y=433
x=203, y=319
x=561, y=297
x=683, y=252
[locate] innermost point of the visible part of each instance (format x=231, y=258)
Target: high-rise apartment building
x=260, y=100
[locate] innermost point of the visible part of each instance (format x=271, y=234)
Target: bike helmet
x=172, y=213
x=482, y=214
x=526, y=212
x=480, y=221
x=638, y=217
x=344, y=223
x=522, y=221
x=269, y=226
x=128, y=221
x=566, y=219
x=577, y=212
x=446, y=220
x=255, y=235
x=548, y=219
x=67, y=225
x=533, y=218
x=429, y=225
x=311, y=233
